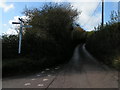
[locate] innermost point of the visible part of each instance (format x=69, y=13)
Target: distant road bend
x=82, y=71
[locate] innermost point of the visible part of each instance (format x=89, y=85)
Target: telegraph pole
x=102, y=13
x=119, y=11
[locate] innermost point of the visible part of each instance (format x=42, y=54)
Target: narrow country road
x=82, y=71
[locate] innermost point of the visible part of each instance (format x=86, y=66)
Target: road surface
x=82, y=71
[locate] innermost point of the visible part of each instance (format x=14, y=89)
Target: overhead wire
x=92, y=14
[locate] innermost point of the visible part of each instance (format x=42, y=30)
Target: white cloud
x=86, y=20
x=94, y=22
x=87, y=7
x=5, y=6
x=15, y=19
x=4, y=25
x=14, y=27
x=11, y=32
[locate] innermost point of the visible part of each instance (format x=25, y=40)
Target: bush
x=105, y=43
x=9, y=46
x=51, y=32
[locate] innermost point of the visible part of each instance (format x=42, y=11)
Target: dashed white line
x=43, y=72
x=56, y=68
x=27, y=84
x=45, y=79
x=33, y=79
x=49, y=75
x=40, y=85
x=47, y=69
x=38, y=75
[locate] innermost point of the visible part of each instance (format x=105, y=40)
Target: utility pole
x=119, y=11
x=102, y=13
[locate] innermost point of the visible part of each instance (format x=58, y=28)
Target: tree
x=51, y=32
x=114, y=17
x=56, y=19
x=9, y=46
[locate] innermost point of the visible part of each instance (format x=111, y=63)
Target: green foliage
x=20, y=65
x=55, y=19
x=89, y=33
x=79, y=35
x=51, y=32
x=105, y=43
x=114, y=17
x=9, y=46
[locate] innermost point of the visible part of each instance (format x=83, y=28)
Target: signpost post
x=20, y=32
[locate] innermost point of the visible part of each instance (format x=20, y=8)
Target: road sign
x=15, y=22
x=27, y=26
x=20, y=33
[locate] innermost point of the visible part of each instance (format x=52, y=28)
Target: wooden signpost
x=102, y=13
x=20, y=32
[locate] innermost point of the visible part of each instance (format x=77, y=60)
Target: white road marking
x=33, y=79
x=40, y=85
x=47, y=69
x=49, y=75
x=38, y=75
x=56, y=68
x=45, y=79
x=27, y=84
x=43, y=72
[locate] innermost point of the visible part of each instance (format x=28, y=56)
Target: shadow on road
x=81, y=59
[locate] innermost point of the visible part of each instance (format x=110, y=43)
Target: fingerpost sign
x=20, y=32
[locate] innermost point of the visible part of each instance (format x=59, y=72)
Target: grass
x=16, y=66
x=23, y=65
x=116, y=62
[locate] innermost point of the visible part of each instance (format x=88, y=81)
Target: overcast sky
x=88, y=19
